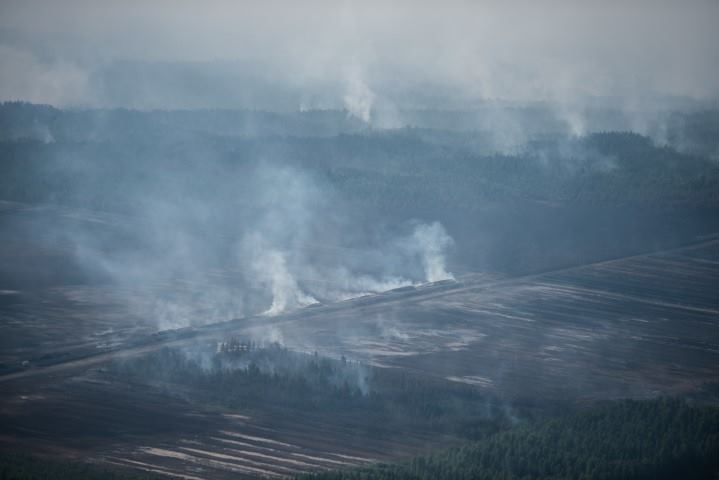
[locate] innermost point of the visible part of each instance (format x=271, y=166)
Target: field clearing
x=90, y=418
x=640, y=326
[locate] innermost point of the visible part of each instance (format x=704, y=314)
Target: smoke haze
x=361, y=56
x=278, y=238
x=266, y=238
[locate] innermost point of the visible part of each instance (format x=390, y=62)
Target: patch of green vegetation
x=658, y=439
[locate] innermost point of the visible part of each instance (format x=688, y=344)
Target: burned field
x=134, y=426
x=635, y=327
x=638, y=327
x=169, y=412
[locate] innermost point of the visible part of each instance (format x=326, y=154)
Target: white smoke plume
x=432, y=242
x=359, y=98
x=299, y=283
x=24, y=76
x=273, y=240
x=340, y=283
x=271, y=270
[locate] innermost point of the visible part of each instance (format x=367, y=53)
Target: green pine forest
x=655, y=439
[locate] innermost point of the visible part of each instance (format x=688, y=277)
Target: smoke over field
x=378, y=240
x=264, y=237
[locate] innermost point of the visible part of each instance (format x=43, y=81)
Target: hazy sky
x=318, y=54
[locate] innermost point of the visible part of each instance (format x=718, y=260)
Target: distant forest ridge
x=496, y=126
x=51, y=155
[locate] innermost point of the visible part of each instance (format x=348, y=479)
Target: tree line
x=625, y=440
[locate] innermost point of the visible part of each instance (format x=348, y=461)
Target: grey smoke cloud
x=431, y=242
x=270, y=267
x=260, y=239
x=362, y=56
x=23, y=76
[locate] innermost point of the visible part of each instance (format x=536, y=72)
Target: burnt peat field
x=500, y=349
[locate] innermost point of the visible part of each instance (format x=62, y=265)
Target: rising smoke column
x=427, y=243
x=286, y=294
x=269, y=266
x=431, y=241
x=358, y=98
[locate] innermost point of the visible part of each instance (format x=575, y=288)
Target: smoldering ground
x=229, y=240
x=208, y=225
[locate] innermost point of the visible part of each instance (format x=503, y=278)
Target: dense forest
x=408, y=168
x=657, y=439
